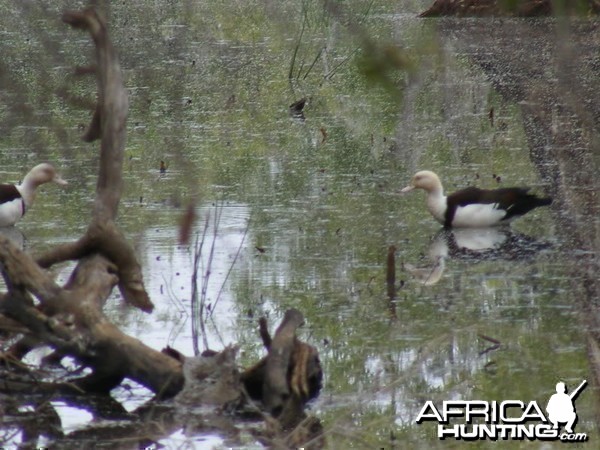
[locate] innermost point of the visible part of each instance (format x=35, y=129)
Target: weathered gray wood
x=70, y=318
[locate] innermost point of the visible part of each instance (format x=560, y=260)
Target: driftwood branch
x=70, y=318
x=109, y=124
x=276, y=389
x=289, y=376
x=110, y=116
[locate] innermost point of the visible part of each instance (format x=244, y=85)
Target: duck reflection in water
x=473, y=244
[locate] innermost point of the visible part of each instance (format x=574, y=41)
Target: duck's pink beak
x=59, y=180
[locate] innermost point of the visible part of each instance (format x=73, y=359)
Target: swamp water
x=302, y=211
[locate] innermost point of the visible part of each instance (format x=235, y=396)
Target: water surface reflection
x=213, y=102
x=169, y=271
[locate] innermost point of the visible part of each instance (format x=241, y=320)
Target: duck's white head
x=427, y=180
x=43, y=173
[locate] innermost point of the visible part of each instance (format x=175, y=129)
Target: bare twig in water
x=201, y=309
x=496, y=343
x=194, y=283
x=391, y=265
x=207, y=273
x=181, y=310
x=298, y=42
x=339, y=65
x=310, y=68
x=235, y=258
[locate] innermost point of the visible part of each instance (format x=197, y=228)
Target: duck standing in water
x=15, y=200
x=474, y=207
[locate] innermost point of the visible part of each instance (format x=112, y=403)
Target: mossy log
x=519, y=8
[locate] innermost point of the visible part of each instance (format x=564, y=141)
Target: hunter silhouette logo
x=561, y=408
x=509, y=419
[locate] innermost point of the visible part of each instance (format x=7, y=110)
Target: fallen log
x=215, y=395
x=72, y=321
x=519, y=8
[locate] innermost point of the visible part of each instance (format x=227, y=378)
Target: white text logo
x=509, y=419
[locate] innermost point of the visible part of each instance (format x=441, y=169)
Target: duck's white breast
x=11, y=212
x=478, y=215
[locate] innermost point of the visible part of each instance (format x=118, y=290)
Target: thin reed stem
x=196, y=319
x=235, y=258
x=298, y=42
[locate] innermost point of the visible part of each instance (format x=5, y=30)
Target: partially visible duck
x=474, y=207
x=296, y=108
x=15, y=200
